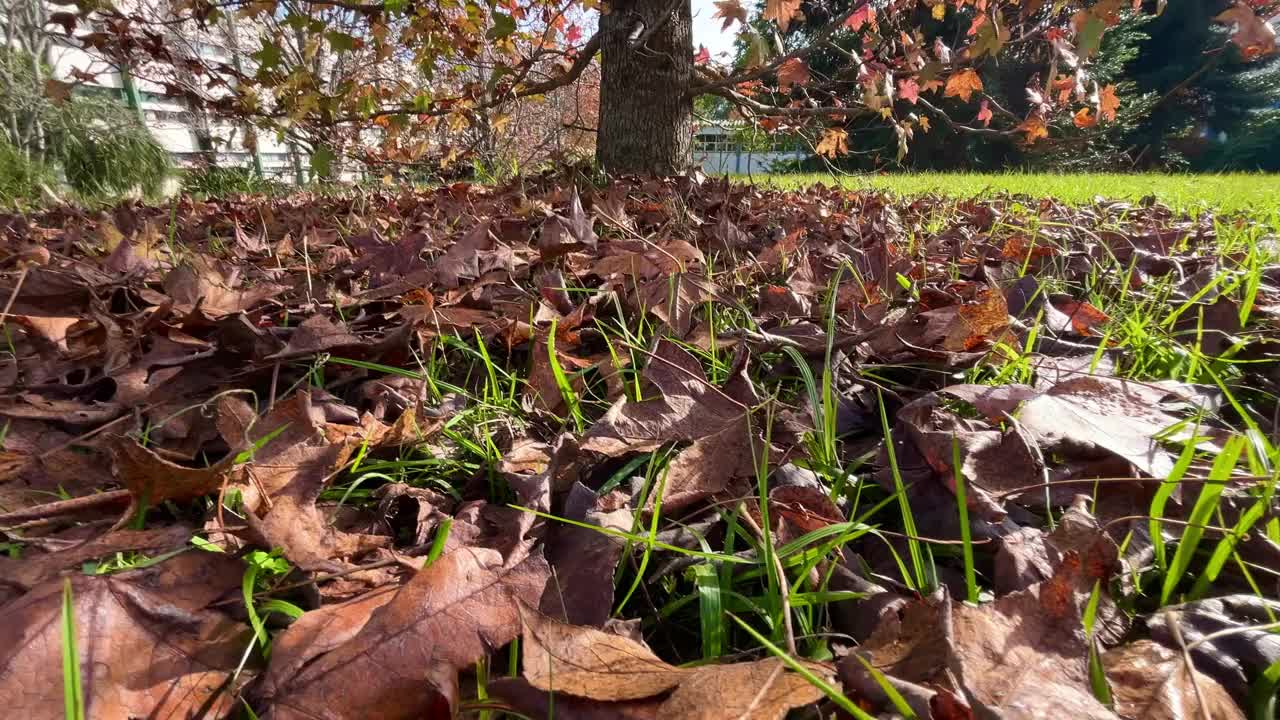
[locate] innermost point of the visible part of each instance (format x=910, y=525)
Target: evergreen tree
x=1213, y=106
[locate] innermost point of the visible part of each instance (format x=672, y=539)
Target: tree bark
x=646, y=116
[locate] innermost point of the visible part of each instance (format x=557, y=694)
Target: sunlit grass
x=1256, y=192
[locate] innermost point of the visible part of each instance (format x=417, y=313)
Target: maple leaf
x=782, y=12
x=731, y=11
x=703, y=56
x=909, y=90
x=835, y=141
x=1084, y=118
x=963, y=85
x=939, y=11
x=984, y=113
x=1254, y=36
x=1034, y=128
x=976, y=25
x=793, y=72
x=1108, y=103
x=865, y=15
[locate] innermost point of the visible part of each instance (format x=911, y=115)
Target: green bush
x=97, y=145
x=20, y=178
x=213, y=181
x=104, y=150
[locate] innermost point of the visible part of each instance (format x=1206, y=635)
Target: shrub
x=214, y=181
x=99, y=146
x=20, y=178
x=103, y=149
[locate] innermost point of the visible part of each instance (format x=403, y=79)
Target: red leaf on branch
x=730, y=11
x=793, y=72
x=909, y=90
x=984, y=113
x=865, y=15
x=1108, y=103
x=781, y=12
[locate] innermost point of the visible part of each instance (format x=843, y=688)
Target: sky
x=706, y=31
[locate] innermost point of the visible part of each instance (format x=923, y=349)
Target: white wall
x=743, y=162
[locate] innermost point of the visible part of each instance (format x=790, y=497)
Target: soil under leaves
x=654, y=449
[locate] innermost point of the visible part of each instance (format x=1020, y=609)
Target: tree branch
x=797, y=54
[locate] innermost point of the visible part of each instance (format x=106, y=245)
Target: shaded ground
x=626, y=451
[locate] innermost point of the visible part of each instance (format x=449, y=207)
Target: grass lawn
x=1259, y=193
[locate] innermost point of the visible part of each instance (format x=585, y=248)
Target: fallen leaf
x=688, y=408
x=1148, y=681
x=144, y=650
x=590, y=663
x=409, y=651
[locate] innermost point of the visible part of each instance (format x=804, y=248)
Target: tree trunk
x=646, y=117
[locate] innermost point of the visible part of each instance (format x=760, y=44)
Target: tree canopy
x=399, y=70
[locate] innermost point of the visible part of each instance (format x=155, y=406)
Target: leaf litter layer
x=651, y=449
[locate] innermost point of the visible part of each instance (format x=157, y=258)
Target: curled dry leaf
x=1149, y=681
x=403, y=660
x=594, y=664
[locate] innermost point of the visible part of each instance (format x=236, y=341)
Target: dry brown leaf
x=403, y=661
x=145, y=650
x=690, y=409
x=1149, y=681
x=153, y=480
x=760, y=690
x=591, y=663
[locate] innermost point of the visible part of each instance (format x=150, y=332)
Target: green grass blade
x=970, y=575
x=1262, y=695
x=1227, y=545
x=247, y=583
x=1201, y=513
x=831, y=691
x=710, y=610
x=908, y=519
x=438, y=542
x=72, y=691
x=1161, y=498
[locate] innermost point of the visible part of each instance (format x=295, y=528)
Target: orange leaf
x=865, y=15
x=835, y=141
x=963, y=85
x=1254, y=36
x=1082, y=316
x=1034, y=128
x=1084, y=119
x=781, y=12
x=1108, y=103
